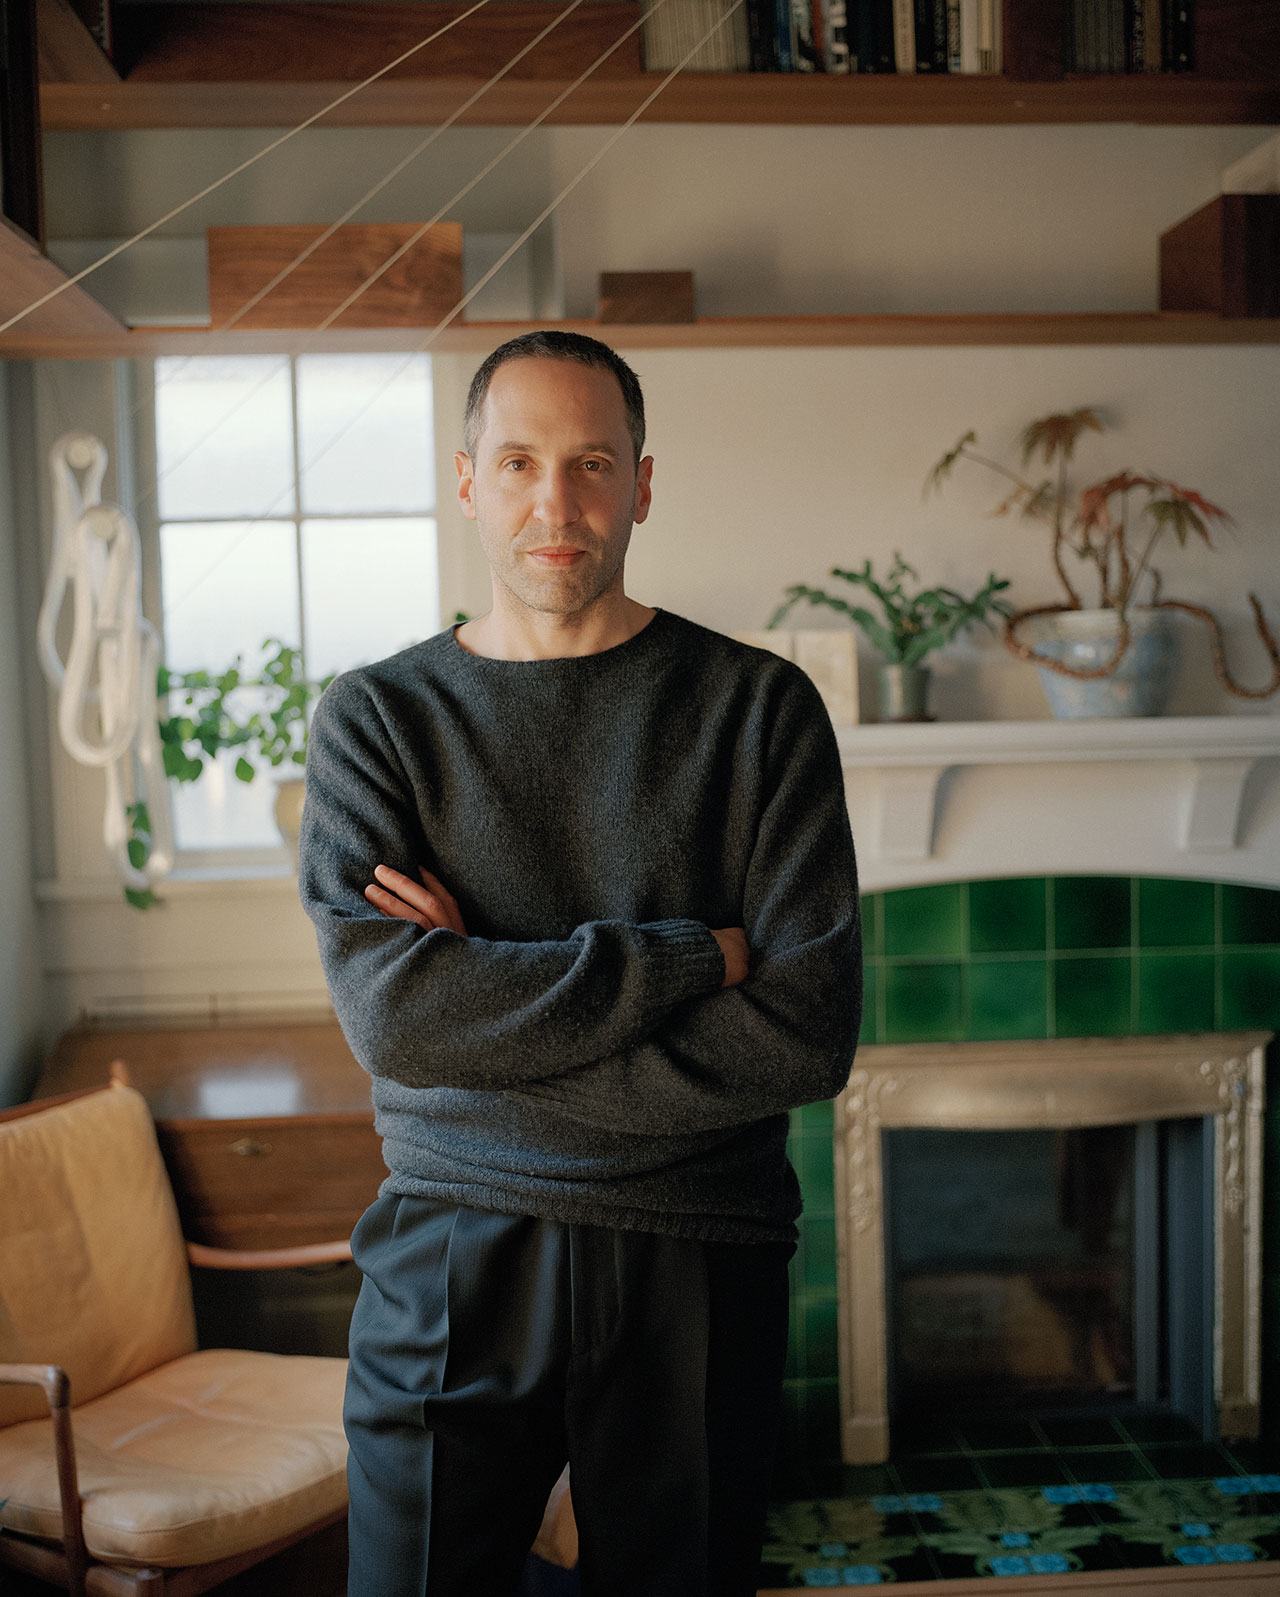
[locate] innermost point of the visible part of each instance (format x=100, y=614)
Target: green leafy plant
x=1114, y=525
x=210, y=718
x=914, y=624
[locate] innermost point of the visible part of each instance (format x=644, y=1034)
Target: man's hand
x=733, y=945
x=431, y=906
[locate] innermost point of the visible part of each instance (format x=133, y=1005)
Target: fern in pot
x=911, y=626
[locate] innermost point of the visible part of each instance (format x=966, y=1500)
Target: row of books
x=825, y=35
x=932, y=36
x=1129, y=36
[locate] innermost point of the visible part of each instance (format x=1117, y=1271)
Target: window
x=296, y=501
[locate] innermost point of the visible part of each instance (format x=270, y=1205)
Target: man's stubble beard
x=558, y=592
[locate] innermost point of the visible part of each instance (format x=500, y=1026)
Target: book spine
x=939, y=35
x=953, y=36
x=924, y=35
x=1151, y=35
x=1182, y=45
x=904, y=35
x=986, y=36
x=1135, y=36
x=1116, y=61
x=760, y=35
x=884, y=36
x=818, y=33
x=782, y=25
x=968, y=35
x=803, y=57
x=836, y=39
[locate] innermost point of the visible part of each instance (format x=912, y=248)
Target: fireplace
x=1134, y=1275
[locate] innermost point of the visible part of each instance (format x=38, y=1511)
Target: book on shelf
x=1104, y=36
x=670, y=31
x=904, y=35
x=836, y=53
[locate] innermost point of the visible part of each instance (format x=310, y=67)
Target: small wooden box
x=1224, y=258
x=419, y=290
x=638, y=298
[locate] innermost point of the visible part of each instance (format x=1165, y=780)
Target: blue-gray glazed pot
x=1139, y=685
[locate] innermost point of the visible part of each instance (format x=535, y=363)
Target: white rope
x=244, y=166
x=488, y=276
x=107, y=685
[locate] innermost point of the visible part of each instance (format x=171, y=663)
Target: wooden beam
x=73, y=322
x=69, y=53
x=728, y=332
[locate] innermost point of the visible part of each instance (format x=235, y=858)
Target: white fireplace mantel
x=1166, y=796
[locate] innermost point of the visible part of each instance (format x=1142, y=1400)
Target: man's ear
x=466, y=484
x=644, y=489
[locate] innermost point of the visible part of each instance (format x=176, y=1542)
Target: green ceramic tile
x=923, y=1003
x=1250, y=987
x=871, y=923
x=816, y=1169
x=1091, y=997
x=1174, y=914
x=1250, y=914
x=1008, y=998
x=925, y=922
x=1007, y=917
x=819, y=1252
x=821, y=1353
x=1091, y=911
x=870, y=989
x=818, y=1117
x=1175, y=992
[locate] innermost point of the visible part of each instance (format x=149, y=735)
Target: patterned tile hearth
x=1015, y=1496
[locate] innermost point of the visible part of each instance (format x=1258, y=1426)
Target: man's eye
x=593, y=465
x=516, y=465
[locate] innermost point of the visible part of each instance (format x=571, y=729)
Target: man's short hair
x=554, y=345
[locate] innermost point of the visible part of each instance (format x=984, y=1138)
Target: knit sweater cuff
x=685, y=960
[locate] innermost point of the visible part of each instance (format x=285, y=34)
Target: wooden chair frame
x=68, y=1563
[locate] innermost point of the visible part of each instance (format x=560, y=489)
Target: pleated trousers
x=488, y=1349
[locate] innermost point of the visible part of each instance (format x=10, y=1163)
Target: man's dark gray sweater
x=575, y=1056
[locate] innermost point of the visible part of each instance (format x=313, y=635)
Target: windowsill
x=259, y=880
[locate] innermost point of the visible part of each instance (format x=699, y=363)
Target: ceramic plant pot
x=290, y=792
x=1086, y=639
x=900, y=692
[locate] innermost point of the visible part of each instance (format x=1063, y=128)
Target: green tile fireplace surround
x=1036, y=957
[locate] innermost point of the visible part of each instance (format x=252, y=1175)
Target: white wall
x=772, y=465
x=19, y=959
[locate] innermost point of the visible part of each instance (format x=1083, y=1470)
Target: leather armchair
x=130, y=1461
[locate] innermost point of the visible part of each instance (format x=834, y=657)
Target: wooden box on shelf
x=1224, y=258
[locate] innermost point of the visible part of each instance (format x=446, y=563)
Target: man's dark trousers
x=486, y=1349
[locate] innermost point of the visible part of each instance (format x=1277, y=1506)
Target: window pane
x=224, y=440
x=227, y=586
x=364, y=433
x=218, y=810
x=368, y=587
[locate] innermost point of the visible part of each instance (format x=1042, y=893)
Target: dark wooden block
x=646, y=297
x=1224, y=258
x=418, y=291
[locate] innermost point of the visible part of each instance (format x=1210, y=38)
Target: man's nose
x=557, y=504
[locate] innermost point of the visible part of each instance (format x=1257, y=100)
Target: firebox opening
x=1047, y=1271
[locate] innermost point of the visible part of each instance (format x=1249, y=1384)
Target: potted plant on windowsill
x=1116, y=658
x=914, y=625
x=211, y=717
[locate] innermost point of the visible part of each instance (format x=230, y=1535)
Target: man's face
x=553, y=489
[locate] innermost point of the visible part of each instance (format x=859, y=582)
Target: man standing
x=585, y=896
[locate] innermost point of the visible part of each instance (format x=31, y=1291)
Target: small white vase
x=1086, y=639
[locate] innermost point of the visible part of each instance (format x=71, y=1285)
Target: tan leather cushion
x=93, y=1271
x=215, y=1453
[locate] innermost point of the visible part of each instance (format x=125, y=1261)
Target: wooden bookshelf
x=272, y=64
x=705, y=97
x=738, y=332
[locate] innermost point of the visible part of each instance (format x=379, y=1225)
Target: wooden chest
x=267, y=1130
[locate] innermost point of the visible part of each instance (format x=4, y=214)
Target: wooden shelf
x=730, y=332
x=705, y=97
x=74, y=320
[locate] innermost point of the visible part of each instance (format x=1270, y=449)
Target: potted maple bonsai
x=1116, y=658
